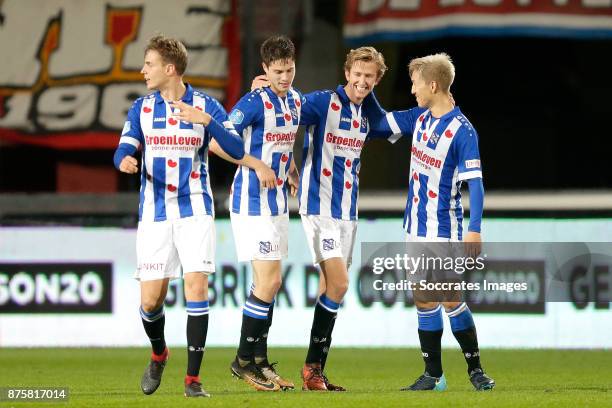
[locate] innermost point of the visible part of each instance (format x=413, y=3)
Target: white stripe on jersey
x=247, y=133
x=305, y=180
x=433, y=183
x=397, y=133
x=148, y=204
x=348, y=176
x=129, y=140
x=470, y=174
x=195, y=183
x=266, y=151
x=453, y=127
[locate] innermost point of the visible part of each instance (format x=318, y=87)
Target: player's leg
x=279, y=226
x=324, y=237
x=430, y=328
x=157, y=263
x=256, y=241
x=194, y=238
x=196, y=296
x=256, y=308
x=152, y=295
x=348, y=233
x=322, y=289
x=268, y=277
x=464, y=330
x=326, y=310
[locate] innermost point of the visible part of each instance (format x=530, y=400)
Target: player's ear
x=265, y=67
x=347, y=75
x=433, y=86
x=169, y=69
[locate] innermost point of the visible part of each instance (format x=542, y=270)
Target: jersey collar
x=447, y=116
x=187, y=98
x=271, y=93
x=342, y=94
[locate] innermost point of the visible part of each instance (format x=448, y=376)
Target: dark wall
x=541, y=108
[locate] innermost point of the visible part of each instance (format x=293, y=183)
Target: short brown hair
x=366, y=54
x=171, y=50
x=278, y=47
x=436, y=67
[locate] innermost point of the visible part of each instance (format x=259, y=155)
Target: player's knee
x=270, y=287
x=151, y=304
x=426, y=305
x=194, y=290
x=339, y=287
x=448, y=306
x=276, y=283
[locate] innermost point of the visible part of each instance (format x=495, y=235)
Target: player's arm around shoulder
x=314, y=107
x=246, y=113
x=216, y=121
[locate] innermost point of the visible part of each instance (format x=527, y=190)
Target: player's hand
x=473, y=244
x=293, y=181
x=266, y=176
x=187, y=113
x=129, y=165
x=260, y=81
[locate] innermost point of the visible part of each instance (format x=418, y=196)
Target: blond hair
x=366, y=54
x=436, y=67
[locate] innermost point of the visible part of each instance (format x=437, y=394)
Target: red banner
x=406, y=20
x=72, y=69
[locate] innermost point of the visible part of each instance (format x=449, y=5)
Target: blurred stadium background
x=533, y=77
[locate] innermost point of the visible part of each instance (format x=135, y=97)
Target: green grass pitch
x=109, y=377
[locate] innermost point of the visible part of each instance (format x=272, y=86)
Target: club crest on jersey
x=434, y=138
x=236, y=116
x=126, y=128
x=329, y=244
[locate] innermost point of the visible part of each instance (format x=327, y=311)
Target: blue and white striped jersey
x=268, y=125
x=336, y=131
x=174, y=172
x=444, y=152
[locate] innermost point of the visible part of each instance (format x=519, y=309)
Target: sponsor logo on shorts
x=147, y=266
x=265, y=247
x=329, y=244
